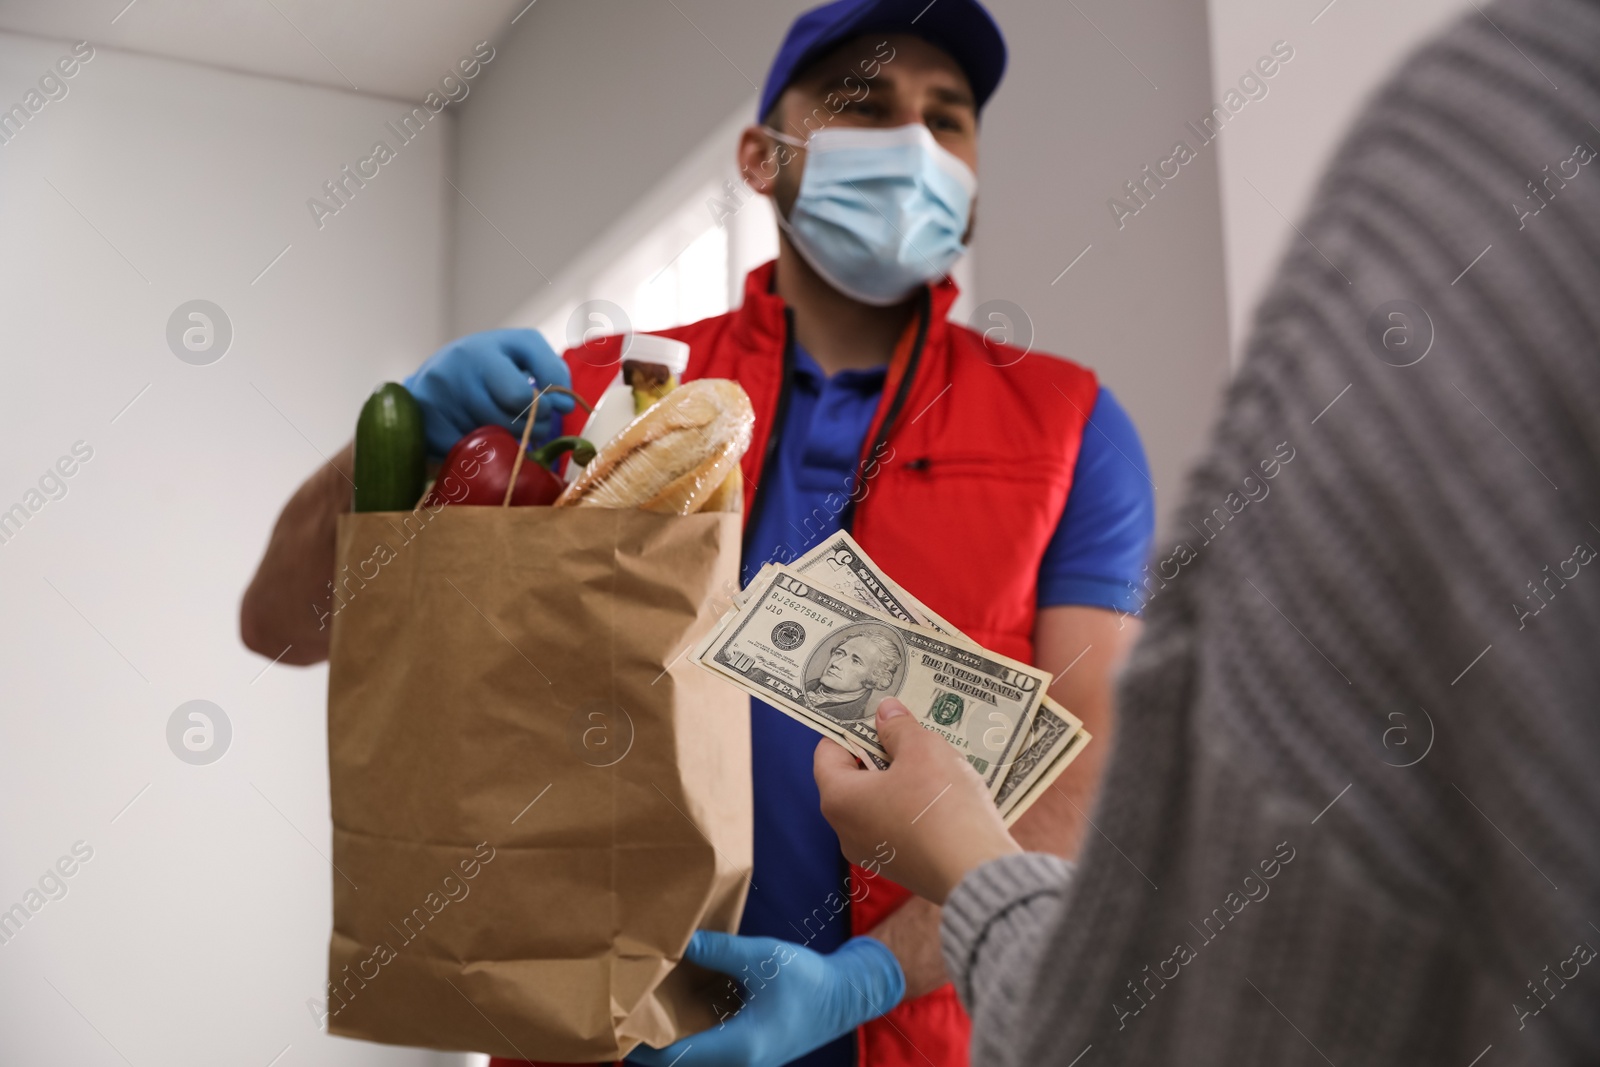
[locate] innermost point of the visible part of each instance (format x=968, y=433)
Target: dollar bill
x=1054, y=740
x=828, y=661
x=1023, y=799
x=1049, y=735
x=838, y=562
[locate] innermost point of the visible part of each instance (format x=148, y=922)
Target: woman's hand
x=930, y=806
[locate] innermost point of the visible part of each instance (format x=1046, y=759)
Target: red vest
x=964, y=475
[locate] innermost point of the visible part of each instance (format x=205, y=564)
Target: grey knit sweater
x=1353, y=815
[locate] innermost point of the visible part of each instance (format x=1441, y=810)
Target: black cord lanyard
x=924, y=313
x=902, y=391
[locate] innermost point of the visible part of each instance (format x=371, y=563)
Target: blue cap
x=961, y=27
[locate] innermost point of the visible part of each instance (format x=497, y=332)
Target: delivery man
x=1006, y=490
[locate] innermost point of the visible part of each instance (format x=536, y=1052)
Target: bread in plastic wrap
x=673, y=458
x=729, y=496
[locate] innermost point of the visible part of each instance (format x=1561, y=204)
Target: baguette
x=729, y=496
x=673, y=458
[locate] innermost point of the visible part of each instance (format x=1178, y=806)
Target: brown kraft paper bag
x=536, y=797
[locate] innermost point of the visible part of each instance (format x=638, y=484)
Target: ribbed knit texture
x=1367, y=613
x=1020, y=896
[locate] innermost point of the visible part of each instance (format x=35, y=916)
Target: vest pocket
x=936, y=466
x=966, y=532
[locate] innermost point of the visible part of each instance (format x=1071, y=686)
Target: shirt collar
x=865, y=380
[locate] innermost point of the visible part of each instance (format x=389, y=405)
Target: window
x=689, y=266
x=679, y=255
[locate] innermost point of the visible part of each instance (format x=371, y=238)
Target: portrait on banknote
x=847, y=674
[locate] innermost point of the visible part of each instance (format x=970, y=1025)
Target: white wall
x=584, y=110
x=1096, y=91
x=1281, y=142
x=199, y=928
x=398, y=48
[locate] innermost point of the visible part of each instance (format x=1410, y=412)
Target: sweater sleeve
x=993, y=928
x=1302, y=651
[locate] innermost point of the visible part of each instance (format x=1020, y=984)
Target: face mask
x=880, y=212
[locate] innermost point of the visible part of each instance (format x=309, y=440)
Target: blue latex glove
x=795, y=1000
x=482, y=380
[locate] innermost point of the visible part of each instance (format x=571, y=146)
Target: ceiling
x=398, y=48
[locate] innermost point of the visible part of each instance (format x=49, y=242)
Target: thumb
x=531, y=353
x=897, y=727
x=728, y=953
x=831, y=760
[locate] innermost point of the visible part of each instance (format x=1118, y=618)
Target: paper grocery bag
x=536, y=797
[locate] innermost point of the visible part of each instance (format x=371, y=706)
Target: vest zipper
x=924, y=313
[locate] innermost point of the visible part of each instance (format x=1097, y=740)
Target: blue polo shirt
x=800, y=890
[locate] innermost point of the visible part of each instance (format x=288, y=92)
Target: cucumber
x=391, y=462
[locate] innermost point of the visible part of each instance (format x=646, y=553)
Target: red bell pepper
x=478, y=469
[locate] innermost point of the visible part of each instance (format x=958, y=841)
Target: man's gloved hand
x=482, y=380
x=795, y=999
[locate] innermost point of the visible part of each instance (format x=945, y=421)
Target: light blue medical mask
x=880, y=212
